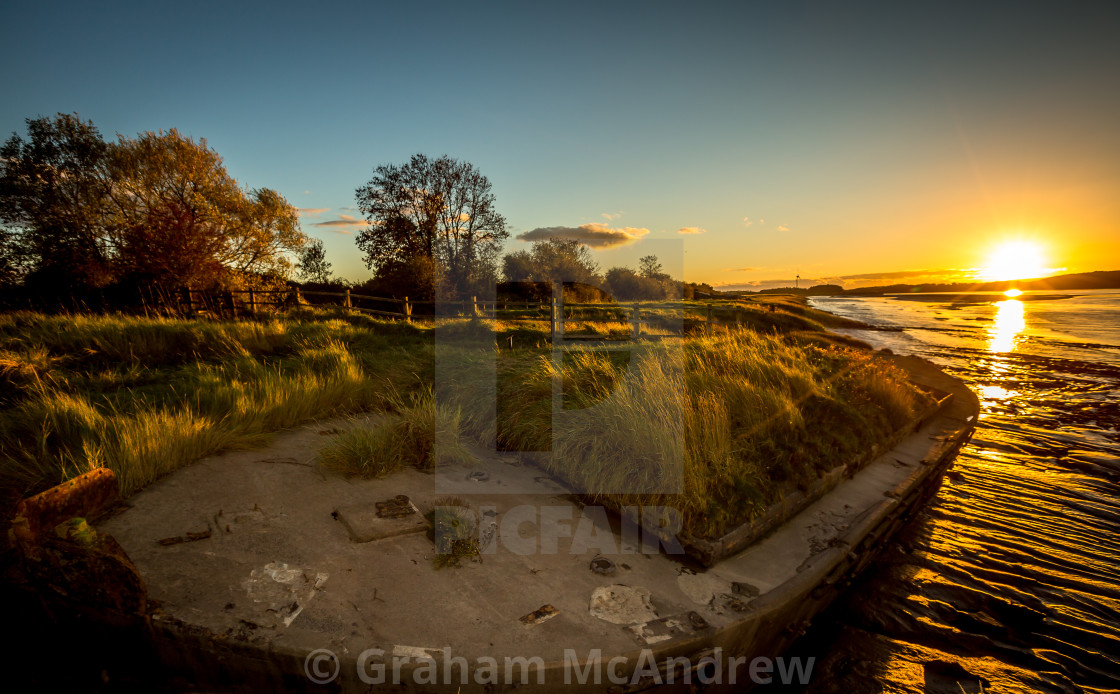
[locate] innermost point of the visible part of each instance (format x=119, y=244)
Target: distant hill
x=1104, y=279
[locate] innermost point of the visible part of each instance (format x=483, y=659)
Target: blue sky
x=820, y=139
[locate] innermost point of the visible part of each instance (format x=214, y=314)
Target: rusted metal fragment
x=85, y=496
x=365, y=522
x=68, y=560
x=397, y=507
x=189, y=537
x=87, y=570
x=543, y=614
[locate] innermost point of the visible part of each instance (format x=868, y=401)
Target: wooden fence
x=250, y=302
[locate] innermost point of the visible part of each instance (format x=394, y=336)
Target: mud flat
x=257, y=570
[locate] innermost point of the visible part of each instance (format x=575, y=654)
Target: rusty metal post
x=347, y=297
x=407, y=311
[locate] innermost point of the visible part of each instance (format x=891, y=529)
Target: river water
x=1010, y=580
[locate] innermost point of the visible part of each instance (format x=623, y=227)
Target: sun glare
x=1014, y=260
x=1013, y=292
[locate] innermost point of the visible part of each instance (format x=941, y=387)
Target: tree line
x=79, y=213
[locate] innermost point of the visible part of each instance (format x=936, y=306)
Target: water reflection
x=1009, y=322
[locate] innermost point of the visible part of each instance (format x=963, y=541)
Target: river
x=1010, y=580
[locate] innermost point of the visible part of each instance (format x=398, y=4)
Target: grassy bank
x=764, y=404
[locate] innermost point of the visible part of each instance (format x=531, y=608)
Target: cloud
x=311, y=211
x=741, y=269
x=611, y=216
x=783, y=227
x=747, y=221
x=345, y=224
x=594, y=235
x=691, y=230
x=307, y=192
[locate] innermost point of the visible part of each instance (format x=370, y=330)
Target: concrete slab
x=282, y=573
x=367, y=522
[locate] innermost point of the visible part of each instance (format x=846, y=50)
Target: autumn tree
x=177, y=216
x=441, y=209
x=77, y=212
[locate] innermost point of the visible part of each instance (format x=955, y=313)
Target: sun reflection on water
x=1009, y=323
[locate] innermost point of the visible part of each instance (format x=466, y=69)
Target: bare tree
x=441, y=209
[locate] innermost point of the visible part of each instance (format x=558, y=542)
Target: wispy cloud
x=596, y=236
x=747, y=221
x=307, y=192
x=741, y=269
x=783, y=227
x=611, y=216
x=691, y=230
x=345, y=224
x=311, y=211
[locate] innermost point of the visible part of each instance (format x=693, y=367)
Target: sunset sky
x=867, y=143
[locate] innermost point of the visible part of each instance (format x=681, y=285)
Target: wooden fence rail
x=248, y=302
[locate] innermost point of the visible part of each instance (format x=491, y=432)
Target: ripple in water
x=1010, y=581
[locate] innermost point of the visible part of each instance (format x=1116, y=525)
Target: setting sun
x=1013, y=260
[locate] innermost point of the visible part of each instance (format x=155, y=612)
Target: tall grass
x=144, y=396
x=405, y=437
x=733, y=420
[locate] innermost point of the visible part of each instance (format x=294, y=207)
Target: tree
x=440, y=209
x=626, y=285
x=177, y=216
x=552, y=260
x=313, y=265
x=53, y=189
x=650, y=267
x=77, y=212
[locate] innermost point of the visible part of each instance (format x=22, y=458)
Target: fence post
x=252, y=301
x=299, y=298
x=474, y=305
x=560, y=313
x=347, y=297
x=407, y=311
x=552, y=318
x=190, y=307
x=637, y=317
x=708, y=323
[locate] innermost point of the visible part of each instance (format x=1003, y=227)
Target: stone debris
x=701, y=588
x=658, y=630
x=281, y=591
x=622, y=604
x=603, y=566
